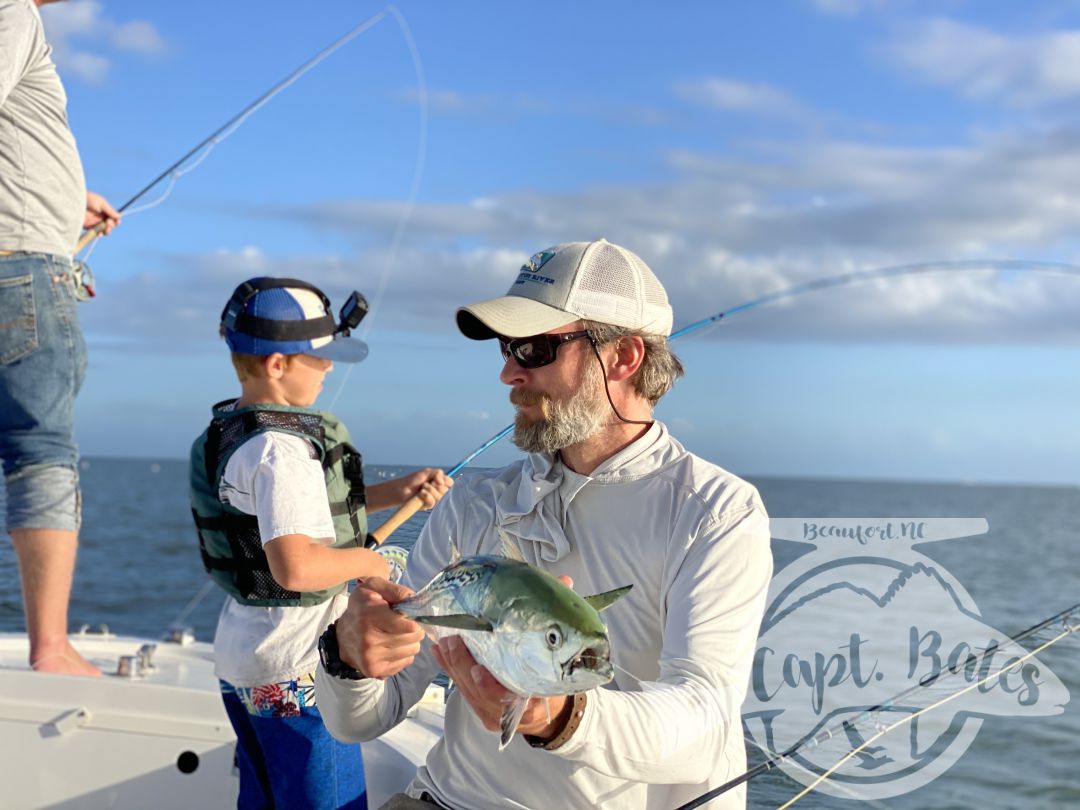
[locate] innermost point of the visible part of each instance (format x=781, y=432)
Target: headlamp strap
x=234, y=317
x=270, y=329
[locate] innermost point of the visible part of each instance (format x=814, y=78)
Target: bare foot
x=64, y=660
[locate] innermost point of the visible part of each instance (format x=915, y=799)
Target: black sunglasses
x=538, y=350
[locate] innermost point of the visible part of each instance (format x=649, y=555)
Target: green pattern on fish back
x=533, y=592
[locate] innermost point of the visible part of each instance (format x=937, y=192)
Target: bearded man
x=605, y=497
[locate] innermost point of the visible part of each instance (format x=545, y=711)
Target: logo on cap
x=535, y=262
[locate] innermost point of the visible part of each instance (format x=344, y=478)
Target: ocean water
x=139, y=571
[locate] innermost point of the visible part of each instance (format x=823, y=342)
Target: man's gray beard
x=572, y=420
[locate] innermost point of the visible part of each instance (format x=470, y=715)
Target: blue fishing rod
x=414, y=504
x=824, y=284
x=410, y=507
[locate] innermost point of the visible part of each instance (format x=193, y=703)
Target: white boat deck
x=156, y=738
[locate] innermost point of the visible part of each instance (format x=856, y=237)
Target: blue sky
x=739, y=148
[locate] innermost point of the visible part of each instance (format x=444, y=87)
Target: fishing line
x=1066, y=618
x=625, y=671
x=89, y=250
x=195, y=600
x=851, y=793
x=959, y=265
x=748, y=739
x=908, y=718
x=418, y=166
x=173, y=176
x=207, y=145
x=414, y=188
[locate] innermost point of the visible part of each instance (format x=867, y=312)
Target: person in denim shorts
x=43, y=203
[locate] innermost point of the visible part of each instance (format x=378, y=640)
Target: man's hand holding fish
x=542, y=718
x=385, y=641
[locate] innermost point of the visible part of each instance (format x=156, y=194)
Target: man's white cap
x=595, y=281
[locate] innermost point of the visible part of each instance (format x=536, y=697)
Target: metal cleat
x=146, y=658
x=181, y=634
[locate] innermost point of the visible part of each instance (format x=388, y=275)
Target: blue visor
x=342, y=350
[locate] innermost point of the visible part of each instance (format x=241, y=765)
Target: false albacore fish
x=533, y=633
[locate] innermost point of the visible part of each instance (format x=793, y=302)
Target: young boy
x=280, y=505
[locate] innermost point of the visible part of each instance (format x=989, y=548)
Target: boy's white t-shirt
x=276, y=477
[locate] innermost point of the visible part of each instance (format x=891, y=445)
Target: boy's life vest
x=229, y=540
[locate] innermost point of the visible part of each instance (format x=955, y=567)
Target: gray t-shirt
x=42, y=188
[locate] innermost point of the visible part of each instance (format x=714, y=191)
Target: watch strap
x=577, y=713
x=330, y=657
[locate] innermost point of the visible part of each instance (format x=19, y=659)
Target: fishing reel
x=82, y=277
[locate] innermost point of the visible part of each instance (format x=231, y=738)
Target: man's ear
x=629, y=355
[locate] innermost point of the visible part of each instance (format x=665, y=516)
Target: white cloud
x=846, y=8
x=448, y=102
x=427, y=285
x=424, y=288
x=87, y=66
x=727, y=231
x=1019, y=70
x=505, y=107
x=68, y=26
x=737, y=96
x=138, y=36
x=1007, y=192
x=720, y=231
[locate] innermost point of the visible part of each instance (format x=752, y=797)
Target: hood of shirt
x=534, y=512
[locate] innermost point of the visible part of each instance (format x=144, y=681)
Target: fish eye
x=554, y=637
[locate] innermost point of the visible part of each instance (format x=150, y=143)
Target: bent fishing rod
x=411, y=506
x=1069, y=622
x=229, y=127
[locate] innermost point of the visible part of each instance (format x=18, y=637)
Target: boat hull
x=156, y=738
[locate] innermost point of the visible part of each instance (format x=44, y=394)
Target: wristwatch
x=331, y=658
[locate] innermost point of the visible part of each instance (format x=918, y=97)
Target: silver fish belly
x=530, y=631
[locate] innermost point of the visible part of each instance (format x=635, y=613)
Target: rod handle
x=89, y=235
x=404, y=512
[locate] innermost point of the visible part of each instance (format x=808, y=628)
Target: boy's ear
x=274, y=365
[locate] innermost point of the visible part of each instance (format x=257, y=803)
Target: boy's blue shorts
x=284, y=753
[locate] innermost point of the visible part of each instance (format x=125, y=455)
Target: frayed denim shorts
x=42, y=366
